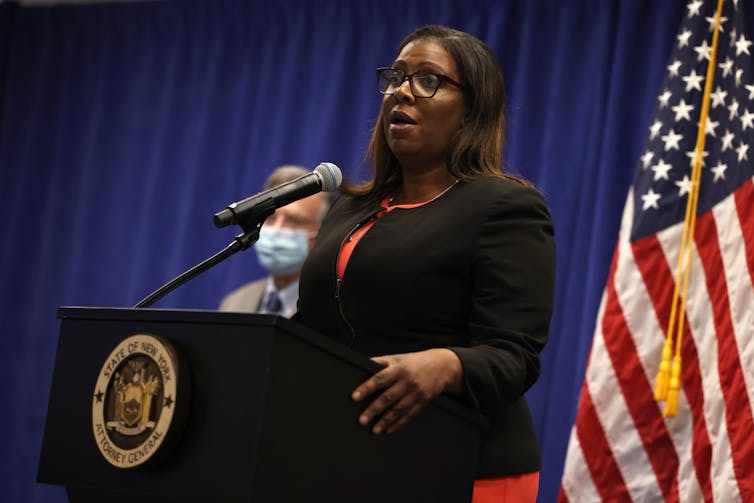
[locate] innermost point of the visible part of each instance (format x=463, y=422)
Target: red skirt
x=516, y=489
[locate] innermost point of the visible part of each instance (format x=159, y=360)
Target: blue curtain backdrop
x=124, y=127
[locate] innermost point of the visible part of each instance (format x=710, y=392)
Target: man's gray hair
x=290, y=172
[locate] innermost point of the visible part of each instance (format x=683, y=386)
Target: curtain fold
x=125, y=127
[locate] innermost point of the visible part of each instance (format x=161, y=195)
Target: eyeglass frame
x=410, y=77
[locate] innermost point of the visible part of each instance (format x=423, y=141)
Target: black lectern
x=269, y=418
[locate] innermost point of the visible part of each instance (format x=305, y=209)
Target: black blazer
x=473, y=271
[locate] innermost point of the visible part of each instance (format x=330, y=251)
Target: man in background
x=284, y=242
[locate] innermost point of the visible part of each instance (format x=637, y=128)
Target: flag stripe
x=659, y=281
x=700, y=318
x=598, y=456
x=642, y=406
x=584, y=489
x=740, y=284
x=612, y=407
x=581, y=486
x=605, y=472
x=745, y=206
x=738, y=414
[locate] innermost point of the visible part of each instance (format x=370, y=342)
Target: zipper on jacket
x=337, y=288
x=339, y=282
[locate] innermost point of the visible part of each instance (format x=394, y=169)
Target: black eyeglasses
x=423, y=84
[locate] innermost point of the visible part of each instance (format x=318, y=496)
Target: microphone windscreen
x=330, y=176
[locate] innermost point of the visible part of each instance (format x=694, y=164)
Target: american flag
x=621, y=447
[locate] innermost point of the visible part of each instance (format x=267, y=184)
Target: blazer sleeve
x=513, y=275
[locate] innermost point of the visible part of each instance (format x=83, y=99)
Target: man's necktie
x=274, y=306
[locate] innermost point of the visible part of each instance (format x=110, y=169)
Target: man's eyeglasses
x=423, y=84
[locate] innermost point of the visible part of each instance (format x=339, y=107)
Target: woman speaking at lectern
x=441, y=267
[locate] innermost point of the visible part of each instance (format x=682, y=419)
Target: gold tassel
x=671, y=388
x=674, y=388
x=663, y=375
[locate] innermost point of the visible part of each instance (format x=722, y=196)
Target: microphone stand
x=243, y=241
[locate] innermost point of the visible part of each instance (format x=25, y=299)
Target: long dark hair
x=477, y=150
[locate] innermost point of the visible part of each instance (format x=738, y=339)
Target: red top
x=351, y=241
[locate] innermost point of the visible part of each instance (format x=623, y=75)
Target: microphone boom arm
x=241, y=242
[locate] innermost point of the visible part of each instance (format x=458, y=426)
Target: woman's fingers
x=404, y=386
x=406, y=418
x=378, y=381
x=399, y=415
x=382, y=404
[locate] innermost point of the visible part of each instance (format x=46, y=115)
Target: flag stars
x=674, y=67
x=683, y=38
x=664, y=98
x=727, y=141
x=702, y=51
x=692, y=154
x=650, y=200
x=672, y=140
x=711, y=21
x=684, y=186
x=727, y=66
x=746, y=120
x=739, y=74
x=719, y=171
x=646, y=159
x=654, y=130
x=742, y=151
x=733, y=108
x=694, y=8
x=682, y=110
x=750, y=88
x=693, y=81
x=742, y=45
x=661, y=170
x=709, y=127
x=718, y=97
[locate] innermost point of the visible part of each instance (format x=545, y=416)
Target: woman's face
x=419, y=130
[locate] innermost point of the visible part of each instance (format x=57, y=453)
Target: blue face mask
x=282, y=251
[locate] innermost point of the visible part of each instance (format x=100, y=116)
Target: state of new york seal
x=135, y=399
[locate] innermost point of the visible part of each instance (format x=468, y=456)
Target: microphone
x=325, y=177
